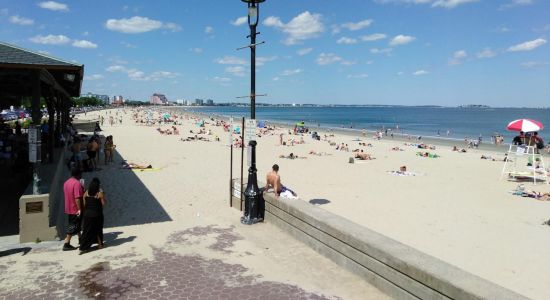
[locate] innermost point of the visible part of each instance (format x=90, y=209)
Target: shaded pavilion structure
x=28, y=75
x=25, y=73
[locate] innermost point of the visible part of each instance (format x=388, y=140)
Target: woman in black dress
x=92, y=223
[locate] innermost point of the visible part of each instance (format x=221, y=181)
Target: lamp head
x=253, y=1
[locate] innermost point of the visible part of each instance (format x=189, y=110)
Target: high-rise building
x=199, y=102
x=103, y=98
x=158, y=98
x=117, y=100
x=210, y=102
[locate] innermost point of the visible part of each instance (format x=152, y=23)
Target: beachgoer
x=92, y=222
x=273, y=180
x=92, y=149
x=73, y=191
x=108, y=149
x=519, y=139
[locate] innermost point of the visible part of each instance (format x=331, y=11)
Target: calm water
x=425, y=121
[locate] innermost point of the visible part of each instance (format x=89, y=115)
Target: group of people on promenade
x=92, y=146
x=84, y=210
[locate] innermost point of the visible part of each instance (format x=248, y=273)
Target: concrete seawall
x=396, y=269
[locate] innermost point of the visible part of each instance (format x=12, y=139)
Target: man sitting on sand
x=363, y=156
x=273, y=180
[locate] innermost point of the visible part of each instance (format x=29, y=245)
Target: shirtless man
x=273, y=180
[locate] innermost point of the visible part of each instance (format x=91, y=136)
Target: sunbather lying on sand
x=455, y=148
x=427, y=154
x=313, y=152
x=363, y=156
x=537, y=195
x=291, y=156
x=194, y=138
x=131, y=165
x=397, y=149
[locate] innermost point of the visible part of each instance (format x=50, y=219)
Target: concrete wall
x=50, y=222
x=397, y=269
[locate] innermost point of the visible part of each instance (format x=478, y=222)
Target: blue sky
x=442, y=52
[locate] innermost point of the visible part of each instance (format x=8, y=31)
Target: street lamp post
x=252, y=211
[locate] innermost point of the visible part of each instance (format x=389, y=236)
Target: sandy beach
x=456, y=208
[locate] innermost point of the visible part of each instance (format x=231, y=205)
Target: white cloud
x=451, y=3
x=84, y=44
x=196, y=50
x=139, y=24
x=534, y=64
x=116, y=68
x=128, y=45
x=486, y=53
x=400, y=73
x=352, y=26
x=373, y=37
x=421, y=72
x=527, y=46
x=208, y=29
x=304, y=51
x=261, y=60
x=302, y=27
x=327, y=58
x=358, y=76
x=21, y=20
x=515, y=3
x=50, y=39
x=138, y=75
x=457, y=58
x=401, y=40
x=348, y=63
x=172, y=27
x=276, y=78
x=381, y=51
x=230, y=60
x=94, y=77
x=235, y=70
x=52, y=5
x=239, y=21
x=223, y=81
x=291, y=72
x=347, y=41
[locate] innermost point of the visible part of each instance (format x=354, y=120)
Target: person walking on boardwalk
x=92, y=222
x=73, y=191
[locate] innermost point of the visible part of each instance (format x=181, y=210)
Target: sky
x=402, y=52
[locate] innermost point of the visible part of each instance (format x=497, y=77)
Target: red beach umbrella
x=526, y=125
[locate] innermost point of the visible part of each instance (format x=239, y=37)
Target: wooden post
x=242, y=162
x=58, y=130
x=36, y=114
x=51, y=125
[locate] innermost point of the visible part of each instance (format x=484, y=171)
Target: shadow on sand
x=129, y=202
x=23, y=250
x=111, y=238
x=319, y=201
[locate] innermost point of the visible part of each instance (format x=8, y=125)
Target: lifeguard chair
x=526, y=163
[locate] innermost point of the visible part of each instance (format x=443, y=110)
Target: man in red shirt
x=73, y=190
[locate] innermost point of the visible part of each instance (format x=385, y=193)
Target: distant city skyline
x=400, y=52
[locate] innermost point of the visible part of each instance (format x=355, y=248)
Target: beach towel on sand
x=287, y=194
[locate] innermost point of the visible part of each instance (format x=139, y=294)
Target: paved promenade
x=171, y=235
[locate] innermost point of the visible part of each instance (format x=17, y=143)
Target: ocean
x=445, y=122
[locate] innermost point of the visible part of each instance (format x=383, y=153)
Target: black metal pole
x=252, y=213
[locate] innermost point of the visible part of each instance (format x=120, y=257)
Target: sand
x=456, y=209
